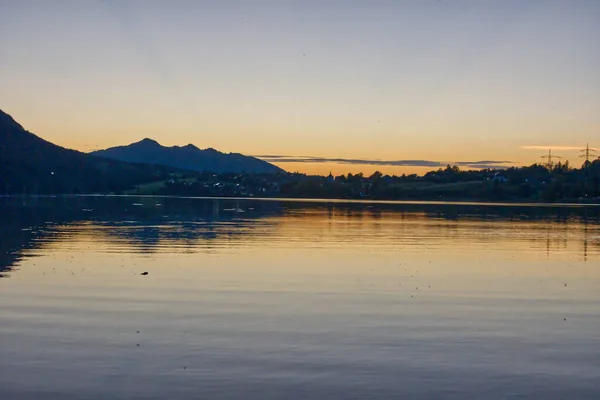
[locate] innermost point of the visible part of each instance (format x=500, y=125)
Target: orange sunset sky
x=411, y=82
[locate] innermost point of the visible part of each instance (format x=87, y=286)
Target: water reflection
x=146, y=225
x=272, y=299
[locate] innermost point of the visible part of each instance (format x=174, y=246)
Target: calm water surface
x=269, y=300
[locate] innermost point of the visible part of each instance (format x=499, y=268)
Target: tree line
x=536, y=182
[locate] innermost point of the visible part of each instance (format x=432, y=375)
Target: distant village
x=551, y=182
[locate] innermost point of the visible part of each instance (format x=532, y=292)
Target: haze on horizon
x=436, y=81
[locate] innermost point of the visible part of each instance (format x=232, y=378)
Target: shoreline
x=464, y=202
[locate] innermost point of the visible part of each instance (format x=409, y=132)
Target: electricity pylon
x=549, y=159
x=587, y=153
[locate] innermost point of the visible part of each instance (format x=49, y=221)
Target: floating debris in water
x=144, y=273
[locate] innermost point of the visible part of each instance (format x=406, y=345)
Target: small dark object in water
x=144, y=273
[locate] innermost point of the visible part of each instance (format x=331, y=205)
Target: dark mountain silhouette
x=187, y=157
x=32, y=165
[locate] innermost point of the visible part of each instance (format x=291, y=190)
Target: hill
x=32, y=165
x=188, y=157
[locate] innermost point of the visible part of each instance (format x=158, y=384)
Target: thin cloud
x=393, y=163
x=550, y=147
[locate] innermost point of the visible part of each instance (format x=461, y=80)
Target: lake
x=297, y=300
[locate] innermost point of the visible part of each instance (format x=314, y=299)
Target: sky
x=313, y=86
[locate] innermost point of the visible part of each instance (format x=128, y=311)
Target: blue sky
x=376, y=80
